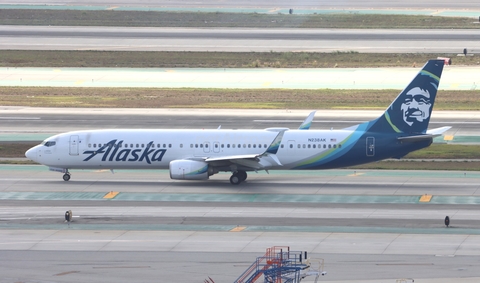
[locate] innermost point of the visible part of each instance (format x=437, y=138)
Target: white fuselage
x=155, y=149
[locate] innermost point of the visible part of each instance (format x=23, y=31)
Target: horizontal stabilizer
x=438, y=131
x=430, y=135
x=418, y=138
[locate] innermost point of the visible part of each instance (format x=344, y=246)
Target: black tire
x=66, y=177
x=242, y=175
x=235, y=180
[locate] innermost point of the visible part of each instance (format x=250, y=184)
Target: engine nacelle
x=189, y=170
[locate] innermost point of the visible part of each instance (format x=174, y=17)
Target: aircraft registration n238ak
x=198, y=154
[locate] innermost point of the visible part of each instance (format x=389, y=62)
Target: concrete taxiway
x=453, y=77
x=466, y=8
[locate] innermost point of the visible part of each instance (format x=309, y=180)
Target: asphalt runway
x=236, y=39
x=36, y=124
x=368, y=226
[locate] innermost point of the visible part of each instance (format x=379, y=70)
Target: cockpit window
x=49, y=143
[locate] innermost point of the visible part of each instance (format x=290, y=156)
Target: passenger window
x=181, y=145
x=281, y=146
x=334, y=146
x=169, y=145
x=339, y=146
x=329, y=146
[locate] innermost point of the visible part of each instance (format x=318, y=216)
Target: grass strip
x=244, y=20
x=160, y=59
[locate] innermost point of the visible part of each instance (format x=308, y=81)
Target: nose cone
x=32, y=153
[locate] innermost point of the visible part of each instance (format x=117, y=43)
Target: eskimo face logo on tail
x=112, y=152
x=416, y=106
x=410, y=112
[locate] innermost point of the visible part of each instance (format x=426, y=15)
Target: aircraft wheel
x=235, y=180
x=66, y=177
x=242, y=175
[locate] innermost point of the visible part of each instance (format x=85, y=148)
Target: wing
x=262, y=160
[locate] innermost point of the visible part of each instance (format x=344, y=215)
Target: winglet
x=273, y=148
x=307, y=122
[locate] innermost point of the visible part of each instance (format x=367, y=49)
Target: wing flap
x=233, y=157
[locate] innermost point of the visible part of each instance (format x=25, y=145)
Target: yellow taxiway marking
x=238, y=229
x=265, y=84
x=112, y=8
x=426, y=198
x=111, y=195
x=448, y=138
x=355, y=174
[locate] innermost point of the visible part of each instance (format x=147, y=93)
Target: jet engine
x=189, y=170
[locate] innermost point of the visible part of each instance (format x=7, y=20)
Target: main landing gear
x=238, y=177
x=66, y=176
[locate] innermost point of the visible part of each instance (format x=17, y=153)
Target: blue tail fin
x=410, y=112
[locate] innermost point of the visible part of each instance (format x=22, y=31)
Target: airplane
x=198, y=154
